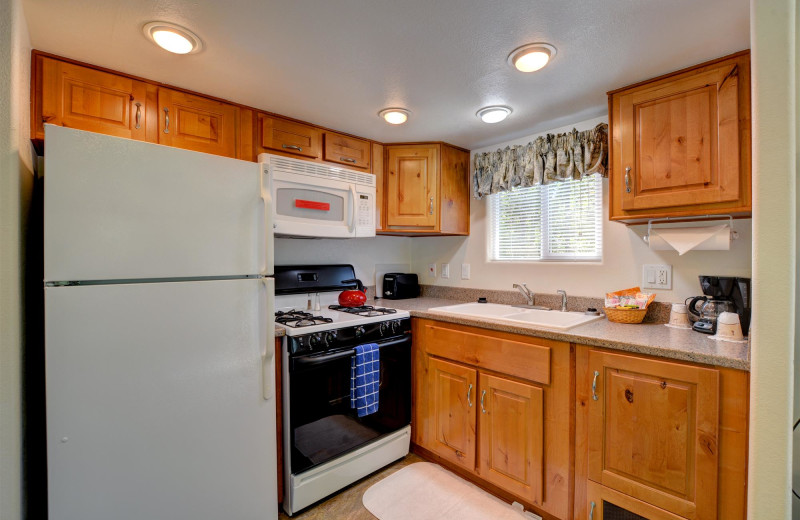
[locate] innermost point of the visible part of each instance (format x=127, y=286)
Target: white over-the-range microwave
x=318, y=200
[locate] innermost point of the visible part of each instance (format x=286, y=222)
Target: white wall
x=624, y=252
x=16, y=184
x=363, y=253
x=773, y=33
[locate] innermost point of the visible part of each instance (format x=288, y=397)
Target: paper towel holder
x=702, y=218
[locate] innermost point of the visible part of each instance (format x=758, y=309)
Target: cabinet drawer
x=524, y=360
x=288, y=137
x=346, y=150
x=603, y=502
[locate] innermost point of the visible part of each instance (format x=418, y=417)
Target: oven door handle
x=306, y=361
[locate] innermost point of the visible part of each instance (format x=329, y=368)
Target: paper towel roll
x=683, y=239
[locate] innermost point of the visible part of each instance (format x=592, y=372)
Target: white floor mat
x=426, y=491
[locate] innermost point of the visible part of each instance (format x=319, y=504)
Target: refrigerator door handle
x=269, y=233
x=267, y=335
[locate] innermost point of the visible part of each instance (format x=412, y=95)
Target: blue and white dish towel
x=365, y=379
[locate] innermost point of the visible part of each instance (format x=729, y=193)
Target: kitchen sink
x=513, y=315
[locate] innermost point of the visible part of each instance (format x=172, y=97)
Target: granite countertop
x=654, y=339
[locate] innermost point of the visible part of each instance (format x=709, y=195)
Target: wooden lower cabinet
x=511, y=435
x=453, y=388
x=667, y=434
x=496, y=407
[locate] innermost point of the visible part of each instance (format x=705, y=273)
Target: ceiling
x=336, y=63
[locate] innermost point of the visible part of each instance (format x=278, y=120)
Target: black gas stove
x=296, y=319
x=364, y=310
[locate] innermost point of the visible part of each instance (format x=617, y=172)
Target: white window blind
x=557, y=221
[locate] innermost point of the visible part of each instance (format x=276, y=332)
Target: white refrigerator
x=159, y=332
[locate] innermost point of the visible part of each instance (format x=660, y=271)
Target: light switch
x=465, y=271
x=656, y=276
x=432, y=270
x=445, y=270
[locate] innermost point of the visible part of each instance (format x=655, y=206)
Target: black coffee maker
x=730, y=289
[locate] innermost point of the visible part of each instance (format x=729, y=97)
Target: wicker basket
x=625, y=315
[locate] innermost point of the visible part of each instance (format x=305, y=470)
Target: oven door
x=322, y=424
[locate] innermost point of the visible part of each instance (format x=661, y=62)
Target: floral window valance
x=547, y=159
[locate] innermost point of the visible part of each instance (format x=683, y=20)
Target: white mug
x=678, y=317
x=728, y=326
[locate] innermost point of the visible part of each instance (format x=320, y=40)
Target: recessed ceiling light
x=173, y=38
x=394, y=116
x=531, y=57
x=493, y=114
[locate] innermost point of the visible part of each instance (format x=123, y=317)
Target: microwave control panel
x=365, y=215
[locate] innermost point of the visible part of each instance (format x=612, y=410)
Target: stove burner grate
x=299, y=319
x=365, y=310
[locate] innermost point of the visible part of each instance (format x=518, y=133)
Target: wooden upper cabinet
x=681, y=144
x=197, y=123
x=453, y=392
x=511, y=436
x=287, y=137
x=346, y=150
x=87, y=99
x=412, y=187
x=653, y=432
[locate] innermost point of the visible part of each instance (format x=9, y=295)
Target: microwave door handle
x=354, y=195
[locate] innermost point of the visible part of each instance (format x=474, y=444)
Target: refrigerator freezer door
x=155, y=401
x=120, y=209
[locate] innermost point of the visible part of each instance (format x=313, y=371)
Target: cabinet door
x=87, y=99
x=680, y=141
x=349, y=151
x=511, y=436
x=452, y=392
x=606, y=503
x=281, y=135
x=412, y=187
x=653, y=432
x=197, y=123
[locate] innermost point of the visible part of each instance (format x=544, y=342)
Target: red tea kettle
x=353, y=298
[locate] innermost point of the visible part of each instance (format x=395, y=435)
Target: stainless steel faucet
x=563, y=299
x=525, y=292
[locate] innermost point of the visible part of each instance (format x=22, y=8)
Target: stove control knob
x=395, y=327
x=330, y=339
x=315, y=341
x=383, y=327
x=359, y=331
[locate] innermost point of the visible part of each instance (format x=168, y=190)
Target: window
x=557, y=221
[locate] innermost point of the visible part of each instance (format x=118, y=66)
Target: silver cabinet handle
x=483, y=396
x=166, y=120
x=431, y=210
x=292, y=147
x=138, y=116
x=591, y=511
x=347, y=159
x=469, y=392
x=628, y=179
x=594, y=386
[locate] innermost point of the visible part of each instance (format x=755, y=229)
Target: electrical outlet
x=656, y=276
x=465, y=271
x=432, y=270
x=445, y=271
